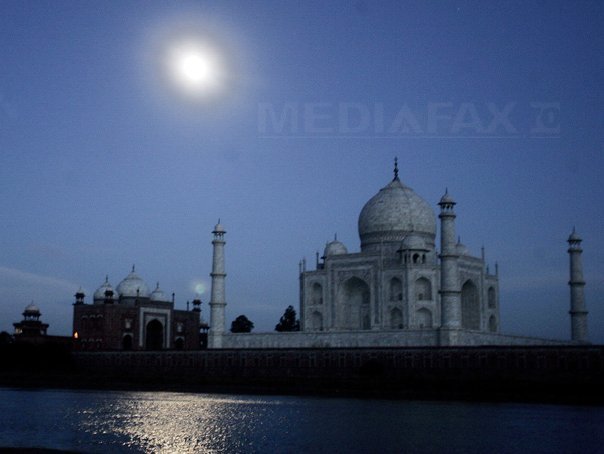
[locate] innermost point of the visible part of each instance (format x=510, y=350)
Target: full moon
x=195, y=68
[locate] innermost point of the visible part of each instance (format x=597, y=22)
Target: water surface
x=102, y=421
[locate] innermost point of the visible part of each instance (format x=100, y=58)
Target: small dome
x=99, y=294
x=31, y=309
x=133, y=286
x=218, y=228
x=159, y=295
x=461, y=249
x=446, y=198
x=413, y=242
x=394, y=212
x=574, y=236
x=335, y=247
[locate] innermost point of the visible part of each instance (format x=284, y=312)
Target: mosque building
x=133, y=318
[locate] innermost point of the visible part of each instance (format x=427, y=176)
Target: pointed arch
x=354, y=302
x=154, y=335
x=423, y=317
x=396, y=289
x=317, y=293
x=396, y=318
x=179, y=343
x=470, y=306
x=423, y=289
x=127, y=342
x=492, y=302
x=316, y=321
x=492, y=324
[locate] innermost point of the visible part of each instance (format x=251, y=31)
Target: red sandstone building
x=31, y=327
x=132, y=318
x=31, y=330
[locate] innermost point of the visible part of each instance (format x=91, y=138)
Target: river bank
x=571, y=375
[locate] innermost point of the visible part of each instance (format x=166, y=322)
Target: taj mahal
x=399, y=290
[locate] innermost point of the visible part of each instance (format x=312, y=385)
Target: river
x=120, y=421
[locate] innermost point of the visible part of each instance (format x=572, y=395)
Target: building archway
x=127, y=342
x=470, y=306
x=396, y=318
x=179, y=343
x=396, y=289
x=491, y=298
x=492, y=324
x=317, y=293
x=354, y=305
x=424, y=318
x=423, y=289
x=317, y=321
x=155, y=335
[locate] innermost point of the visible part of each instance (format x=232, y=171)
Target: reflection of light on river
x=172, y=422
x=116, y=422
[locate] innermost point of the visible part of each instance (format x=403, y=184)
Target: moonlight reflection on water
x=176, y=422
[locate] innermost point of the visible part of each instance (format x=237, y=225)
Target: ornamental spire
x=395, y=169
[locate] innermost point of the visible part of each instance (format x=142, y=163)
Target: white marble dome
x=133, y=286
x=335, y=247
x=159, y=295
x=99, y=294
x=393, y=213
x=31, y=309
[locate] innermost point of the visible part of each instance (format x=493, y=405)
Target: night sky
x=106, y=161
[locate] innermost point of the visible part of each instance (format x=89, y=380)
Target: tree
x=288, y=321
x=242, y=325
x=5, y=338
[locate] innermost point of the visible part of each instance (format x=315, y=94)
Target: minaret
x=217, y=301
x=578, y=312
x=449, y=280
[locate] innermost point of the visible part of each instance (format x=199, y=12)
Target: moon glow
x=195, y=69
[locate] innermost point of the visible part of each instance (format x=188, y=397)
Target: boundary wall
x=545, y=373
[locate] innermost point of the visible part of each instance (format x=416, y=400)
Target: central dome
x=393, y=213
x=133, y=286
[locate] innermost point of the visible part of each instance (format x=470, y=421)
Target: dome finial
x=133, y=268
x=395, y=169
x=335, y=237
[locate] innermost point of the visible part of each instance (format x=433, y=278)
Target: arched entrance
x=179, y=343
x=423, y=289
x=354, y=305
x=155, y=335
x=424, y=318
x=492, y=324
x=317, y=293
x=396, y=289
x=396, y=318
x=127, y=342
x=317, y=321
x=470, y=306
